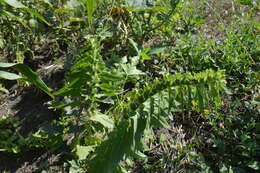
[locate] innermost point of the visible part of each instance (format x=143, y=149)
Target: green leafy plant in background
x=10, y=141
x=18, y=39
x=19, y=5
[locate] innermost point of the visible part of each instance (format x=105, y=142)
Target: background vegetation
x=129, y=86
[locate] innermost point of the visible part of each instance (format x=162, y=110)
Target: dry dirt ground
x=29, y=105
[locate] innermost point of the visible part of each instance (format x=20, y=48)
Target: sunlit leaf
x=135, y=45
x=6, y=65
x=131, y=70
x=9, y=76
x=90, y=10
x=254, y=165
x=36, y=14
x=103, y=119
x=156, y=50
x=83, y=151
x=15, y=4
x=2, y=89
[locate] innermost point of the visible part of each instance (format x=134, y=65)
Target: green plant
x=19, y=5
x=11, y=141
x=131, y=128
x=148, y=86
x=30, y=76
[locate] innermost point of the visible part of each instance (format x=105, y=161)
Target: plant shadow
x=29, y=106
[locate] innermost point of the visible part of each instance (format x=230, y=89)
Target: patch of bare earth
x=29, y=104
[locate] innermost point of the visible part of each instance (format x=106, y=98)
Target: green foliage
x=131, y=128
x=134, y=73
x=31, y=76
x=10, y=141
x=17, y=4
x=91, y=5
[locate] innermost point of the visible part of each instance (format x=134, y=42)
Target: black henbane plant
x=125, y=138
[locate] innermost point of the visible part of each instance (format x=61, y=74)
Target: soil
x=28, y=104
x=32, y=161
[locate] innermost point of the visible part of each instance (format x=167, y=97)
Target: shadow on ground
x=28, y=104
x=31, y=161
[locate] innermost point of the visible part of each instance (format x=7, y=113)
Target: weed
x=150, y=86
